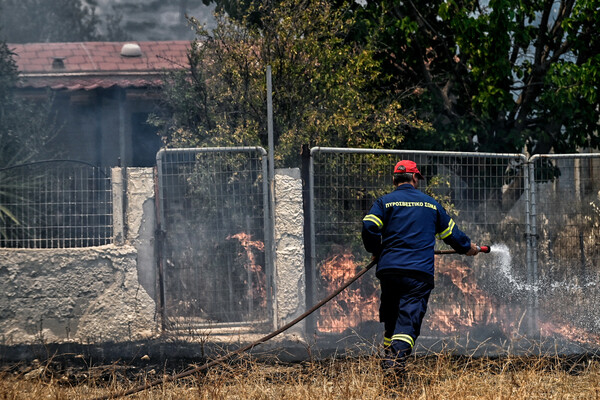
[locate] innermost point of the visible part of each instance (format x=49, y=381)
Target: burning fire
x=470, y=307
x=568, y=331
x=466, y=305
x=455, y=316
x=351, y=307
x=251, y=247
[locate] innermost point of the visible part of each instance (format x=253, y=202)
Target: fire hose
x=171, y=378
x=482, y=249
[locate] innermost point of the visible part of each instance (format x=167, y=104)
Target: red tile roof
x=91, y=65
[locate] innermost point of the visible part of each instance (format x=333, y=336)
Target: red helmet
x=407, y=166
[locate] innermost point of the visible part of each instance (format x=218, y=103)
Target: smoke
x=156, y=20
x=35, y=21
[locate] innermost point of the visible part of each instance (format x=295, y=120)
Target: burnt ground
x=75, y=369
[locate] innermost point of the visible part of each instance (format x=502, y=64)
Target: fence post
x=117, y=203
x=532, y=249
x=159, y=236
x=308, y=249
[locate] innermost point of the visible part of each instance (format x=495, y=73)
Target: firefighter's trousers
x=403, y=306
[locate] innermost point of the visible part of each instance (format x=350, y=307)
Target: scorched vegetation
x=436, y=376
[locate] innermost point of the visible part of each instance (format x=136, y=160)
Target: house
x=103, y=94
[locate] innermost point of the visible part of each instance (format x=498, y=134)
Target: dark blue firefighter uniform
x=401, y=229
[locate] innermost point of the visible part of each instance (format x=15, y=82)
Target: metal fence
x=565, y=210
x=541, y=215
x=540, y=235
x=55, y=204
x=213, y=214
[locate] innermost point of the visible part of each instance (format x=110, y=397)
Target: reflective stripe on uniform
x=401, y=337
x=405, y=338
x=448, y=231
x=374, y=219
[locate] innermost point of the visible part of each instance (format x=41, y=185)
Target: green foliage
x=24, y=126
x=495, y=75
x=500, y=75
x=24, y=130
x=522, y=74
x=8, y=73
x=439, y=188
x=236, y=9
x=324, y=85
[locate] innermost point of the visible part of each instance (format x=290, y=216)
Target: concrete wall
x=290, y=280
x=86, y=295
x=109, y=293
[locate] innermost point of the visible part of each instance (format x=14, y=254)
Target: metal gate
x=486, y=194
x=540, y=214
x=565, y=210
x=215, y=263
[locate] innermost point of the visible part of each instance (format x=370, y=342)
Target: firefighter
x=400, y=231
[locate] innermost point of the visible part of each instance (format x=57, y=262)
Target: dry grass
x=440, y=376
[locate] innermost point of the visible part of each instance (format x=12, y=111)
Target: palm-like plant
x=25, y=129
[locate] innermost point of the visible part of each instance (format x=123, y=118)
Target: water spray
x=483, y=249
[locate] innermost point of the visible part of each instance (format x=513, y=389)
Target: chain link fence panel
x=58, y=204
x=475, y=298
x=566, y=229
x=215, y=260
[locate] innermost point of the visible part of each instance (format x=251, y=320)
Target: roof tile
x=97, y=64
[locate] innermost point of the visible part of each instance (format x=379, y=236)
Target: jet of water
x=503, y=261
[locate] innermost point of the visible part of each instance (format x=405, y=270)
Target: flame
x=466, y=304
x=471, y=306
x=569, y=332
x=351, y=307
x=251, y=247
x=455, y=317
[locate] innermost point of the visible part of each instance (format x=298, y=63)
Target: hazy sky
x=144, y=20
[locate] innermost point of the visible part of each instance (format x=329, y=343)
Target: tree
x=235, y=9
x=24, y=126
x=24, y=130
x=323, y=84
x=500, y=75
x=29, y=21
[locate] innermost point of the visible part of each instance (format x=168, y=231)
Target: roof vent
x=131, y=50
x=58, y=63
